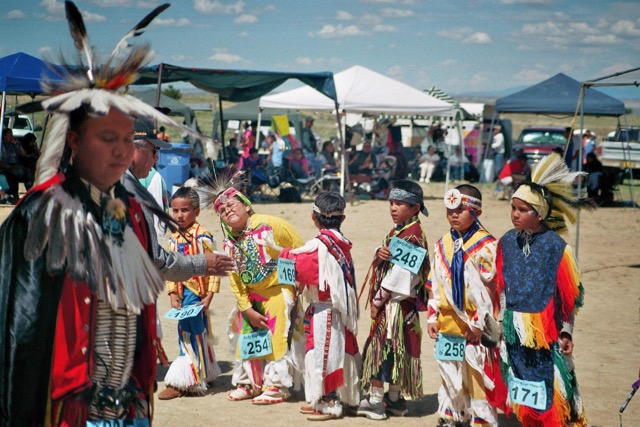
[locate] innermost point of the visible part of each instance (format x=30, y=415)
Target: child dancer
x=392, y=351
x=460, y=300
x=540, y=283
x=325, y=273
x=196, y=366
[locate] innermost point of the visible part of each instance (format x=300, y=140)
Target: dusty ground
x=606, y=336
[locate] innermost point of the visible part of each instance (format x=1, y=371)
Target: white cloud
x=304, y=60
x=246, y=19
x=15, y=14
x=384, y=28
x=478, y=38
x=243, y=34
x=222, y=55
x=343, y=16
x=388, y=12
x=404, y=2
x=92, y=17
x=530, y=75
x=54, y=8
x=110, y=3
x=178, y=58
x=626, y=28
x=448, y=63
x=218, y=7
x=330, y=31
x=172, y=22
x=45, y=51
x=395, y=70
x=527, y=2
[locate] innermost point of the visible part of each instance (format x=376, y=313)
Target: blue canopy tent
x=559, y=94
x=21, y=74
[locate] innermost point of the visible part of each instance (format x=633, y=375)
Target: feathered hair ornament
x=95, y=87
x=221, y=189
x=551, y=193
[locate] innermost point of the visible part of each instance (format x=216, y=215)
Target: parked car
x=21, y=125
x=539, y=141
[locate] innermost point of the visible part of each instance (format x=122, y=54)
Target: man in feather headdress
x=78, y=289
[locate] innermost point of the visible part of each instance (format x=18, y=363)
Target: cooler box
x=173, y=164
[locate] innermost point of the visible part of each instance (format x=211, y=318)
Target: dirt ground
x=606, y=337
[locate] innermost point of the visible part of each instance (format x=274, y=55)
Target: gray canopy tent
x=233, y=85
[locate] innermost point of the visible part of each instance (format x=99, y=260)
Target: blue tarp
x=559, y=95
x=21, y=74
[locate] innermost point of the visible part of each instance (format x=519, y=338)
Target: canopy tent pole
x=345, y=156
x=224, y=156
x=581, y=103
x=626, y=152
x=258, y=132
x=159, y=88
x=460, y=138
x=4, y=99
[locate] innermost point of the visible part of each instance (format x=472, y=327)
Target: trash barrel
x=173, y=164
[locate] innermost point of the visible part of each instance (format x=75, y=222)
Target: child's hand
x=256, y=319
x=206, y=301
x=175, y=301
x=566, y=344
x=383, y=254
x=375, y=311
x=432, y=328
x=473, y=335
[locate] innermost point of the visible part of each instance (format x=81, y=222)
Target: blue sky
x=461, y=46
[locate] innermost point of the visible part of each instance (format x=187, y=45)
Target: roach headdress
x=551, y=193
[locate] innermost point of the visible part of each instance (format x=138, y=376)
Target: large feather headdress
x=95, y=87
x=551, y=193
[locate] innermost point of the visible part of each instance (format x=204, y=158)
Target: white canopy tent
x=360, y=90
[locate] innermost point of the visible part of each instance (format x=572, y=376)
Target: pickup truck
x=21, y=125
x=622, y=150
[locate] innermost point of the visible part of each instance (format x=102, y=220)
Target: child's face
x=523, y=216
x=460, y=218
x=184, y=213
x=234, y=214
x=402, y=211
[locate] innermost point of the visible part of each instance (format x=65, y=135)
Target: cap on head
x=144, y=130
x=309, y=119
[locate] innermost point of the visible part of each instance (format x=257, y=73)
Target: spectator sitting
x=10, y=167
x=254, y=166
x=457, y=162
x=363, y=162
x=32, y=152
x=594, y=170
x=428, y=163
x=327, y=158
x=231, y=152
x=299, y=165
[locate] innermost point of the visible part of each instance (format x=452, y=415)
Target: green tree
x=172, y=92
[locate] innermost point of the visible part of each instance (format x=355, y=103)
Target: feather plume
x=555, y=181
x=52, y=149
x=137, y=29
x=208, y=191
x=79, y=34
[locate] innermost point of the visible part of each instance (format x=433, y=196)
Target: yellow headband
x=535, y=199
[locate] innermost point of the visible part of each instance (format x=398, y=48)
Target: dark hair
x=326, y=144
x=188, y=193
x=469, y=190
x=329, y=202
x=6, y=131
x=232, y=140
x=253, y=150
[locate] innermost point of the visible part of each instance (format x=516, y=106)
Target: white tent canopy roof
x=364, y=91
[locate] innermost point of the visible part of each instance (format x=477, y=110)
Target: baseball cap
x=144, y=129
x=308, y=119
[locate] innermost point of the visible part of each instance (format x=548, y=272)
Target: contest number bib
x=450, y=347
x=184, y=312
x=406, y=255
x=286, y=271
x=528, y=393
x=255, y=344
